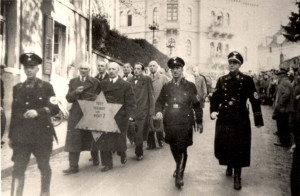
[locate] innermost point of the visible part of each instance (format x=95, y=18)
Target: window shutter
x=48, y=44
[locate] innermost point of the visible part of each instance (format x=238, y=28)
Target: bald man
x=83, y=87
x=118, y=91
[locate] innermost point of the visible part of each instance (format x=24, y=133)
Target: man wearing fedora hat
x=31, y=130
x=176, y=105
x=233, y=130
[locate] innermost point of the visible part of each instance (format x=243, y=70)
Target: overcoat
x=144, y=96
x=119, y=92
x=78, y=140
x=40, y=97
x=233, y=131
x=200, y=83
x=158, y=81
x=99, y=77
x=177, y=103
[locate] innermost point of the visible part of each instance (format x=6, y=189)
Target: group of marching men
x=170, y=108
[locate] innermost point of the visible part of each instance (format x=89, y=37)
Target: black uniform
x=177, y=103
x=32, y=135
x=233, y=131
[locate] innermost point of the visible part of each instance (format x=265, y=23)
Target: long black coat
x=120, y=92
x=177, y=104
x=40, y=97
x=233, y=131
x=78, y=140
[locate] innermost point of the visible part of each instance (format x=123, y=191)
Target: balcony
x=218, y=31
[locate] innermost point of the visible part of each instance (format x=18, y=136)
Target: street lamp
x=171, y=44
x=153, y=28
x=280, y=40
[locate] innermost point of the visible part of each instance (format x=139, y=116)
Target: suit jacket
x=284, y=102
x=144, y=95
x=158, y=81
x=201, y=89
x=119, y=92
x=40, y=97
x=106, y=76
x=91, y=90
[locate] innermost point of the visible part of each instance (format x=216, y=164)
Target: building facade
x=200, y=31
x=274, y=50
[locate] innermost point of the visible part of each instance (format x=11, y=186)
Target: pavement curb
x=7, y=171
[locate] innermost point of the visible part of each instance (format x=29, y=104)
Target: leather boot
x=237, y=179
x=45, y=185
x=17, y=186
x=229, y=171
x=179, y=171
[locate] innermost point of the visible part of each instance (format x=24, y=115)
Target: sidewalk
x=6, y=151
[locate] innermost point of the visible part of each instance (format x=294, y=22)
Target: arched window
x=189, y=16
x=212, y=49
x=188, y=46
x=129, y=18
x=245, y=53
x=213, y=17
x=219, y=50
x=122, y=19
x=228, y=19
x=227, y=49
x=155, y=15
x=220, y=19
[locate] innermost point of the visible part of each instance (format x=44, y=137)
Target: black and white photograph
x=150, y=97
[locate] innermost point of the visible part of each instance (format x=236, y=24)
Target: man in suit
x=102, y=75
x=83, y=87
x=3, y=117
x=127, y=69
x=144, y=95
x=117, y=91
x=158, y=80
x=31, y=129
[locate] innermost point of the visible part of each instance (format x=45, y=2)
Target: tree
x=292, y=30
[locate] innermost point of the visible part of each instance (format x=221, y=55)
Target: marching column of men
x=177, y=104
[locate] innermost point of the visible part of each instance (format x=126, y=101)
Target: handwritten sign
x=98, y=116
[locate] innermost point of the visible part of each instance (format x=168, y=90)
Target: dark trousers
x=283, y=128
x=176, y=150
x=95, y=155
x=21, y=157
x=151, y=138
x=74, y=159
x=139, y=150
x=106, y=158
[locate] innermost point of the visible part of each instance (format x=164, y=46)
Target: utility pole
x=171, y=44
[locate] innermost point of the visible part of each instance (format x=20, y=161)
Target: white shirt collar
x=113, y=79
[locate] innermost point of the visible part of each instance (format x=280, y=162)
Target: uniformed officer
x=31, y=130
x=176, y=104
x=233, y=131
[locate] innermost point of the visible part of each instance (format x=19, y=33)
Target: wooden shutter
x=48, y=44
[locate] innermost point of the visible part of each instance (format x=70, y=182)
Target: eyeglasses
x=84, y=69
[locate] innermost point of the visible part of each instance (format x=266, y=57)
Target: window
x=219, y=50
x=129, y=18
x=122, y=19
x=212, y=49
x=213, y=15
x=228, y=19
x=155, y=15
x=60, y=48
x=220, y=19
x=172, y=10
x=189, y=16
x=227, y=49
x=188, y=47
x=172, y=32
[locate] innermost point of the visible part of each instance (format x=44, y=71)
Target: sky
x=273, y=13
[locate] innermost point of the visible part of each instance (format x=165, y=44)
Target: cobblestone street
x=267, y=176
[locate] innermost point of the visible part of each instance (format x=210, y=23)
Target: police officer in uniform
x=233, y=131
x=177, y=104
x=31, y=130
